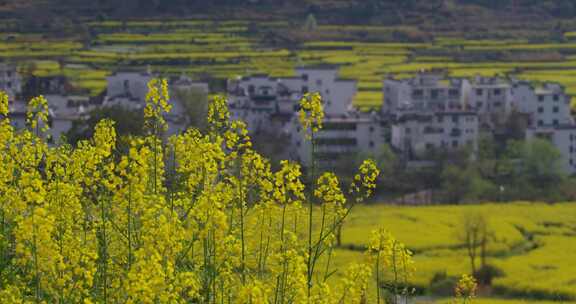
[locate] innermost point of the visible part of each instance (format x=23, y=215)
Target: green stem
x=35, y=257
x=104, y=253
x=310, y=217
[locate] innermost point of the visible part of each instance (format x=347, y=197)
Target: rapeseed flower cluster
x=393, y=265
x=311, y=113
x=199, y=217
x=465, y=290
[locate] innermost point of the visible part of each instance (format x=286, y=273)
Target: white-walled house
x=492, y=98
x=433, y=91
x=256, y=98
x=427, y=91
x=129, y=85
x=417, y=135
x=129, y=90
x=269, y=104
x=337, y=93
x=547, y=105
x=340, y=136
x=64, y=110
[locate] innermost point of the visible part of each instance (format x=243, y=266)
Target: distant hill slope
x=432, y=13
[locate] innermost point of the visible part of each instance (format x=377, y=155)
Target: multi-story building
x=340, y=136
x=255, y=98
x=419, y=135
x=547, y=104
x=269, y=104
x=427, y=91
x=484, y=103
x=491, y=97
x=431, y=113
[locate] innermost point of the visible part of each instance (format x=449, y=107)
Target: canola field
x=224, y=49
x=534, y=243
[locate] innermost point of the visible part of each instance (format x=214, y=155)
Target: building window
x=479, y=92
x=251, y=89
x=305, y=77
x=371, y=144
x=418, y=93
x=440, y=119
x=555, y=122
x=571, y=149
x=429, y=146
x=304, y=89
x=453, y=93
x=497, y=92
x=318, y=82
x=371, y=129
x=408, y=130
x=479, y=104
x=434, y=94
x=540, y=109
x=455, y=118
x=540, y=123
x=556, y=97
x=298, y=144
x=540, y=98
x=555, y=109
x=455, y=144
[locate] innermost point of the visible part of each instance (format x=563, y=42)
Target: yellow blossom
x=311, y=113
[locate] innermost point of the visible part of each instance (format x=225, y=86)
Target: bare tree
x=473, y=233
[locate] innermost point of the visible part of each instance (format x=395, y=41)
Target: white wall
x=128, y=83
x=439, y=131
x=337, y=94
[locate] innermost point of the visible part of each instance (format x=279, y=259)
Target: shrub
x=442, y=285
x=487, y=273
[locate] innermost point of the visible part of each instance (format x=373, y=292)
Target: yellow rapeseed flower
x=311, y=113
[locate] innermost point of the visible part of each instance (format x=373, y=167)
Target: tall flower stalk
x=199, y=217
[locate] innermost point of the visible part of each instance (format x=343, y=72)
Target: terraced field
x=225, y=49
x=534, y=244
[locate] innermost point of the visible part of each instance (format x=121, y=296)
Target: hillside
x=478, y=14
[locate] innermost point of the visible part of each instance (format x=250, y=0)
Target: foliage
x=127, y=123
x=530, y=245
x=465, y=290
x=195, y=103
x=197, y=217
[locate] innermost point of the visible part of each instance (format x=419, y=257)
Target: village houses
x=426, y=114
